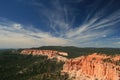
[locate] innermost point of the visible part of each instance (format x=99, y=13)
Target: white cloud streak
x=95, y=27
x=118, y=43
x=16, y=36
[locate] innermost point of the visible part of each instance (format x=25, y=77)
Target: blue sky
x=82, y=23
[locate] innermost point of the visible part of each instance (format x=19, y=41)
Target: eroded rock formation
x=93, y=67
x=50, y=53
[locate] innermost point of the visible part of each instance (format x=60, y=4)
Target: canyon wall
x=93, y=67
x=50, y=53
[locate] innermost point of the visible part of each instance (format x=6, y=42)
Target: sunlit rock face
x=93, y=67
x=63, y=53
x=50, y=53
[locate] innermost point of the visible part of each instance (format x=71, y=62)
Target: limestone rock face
x=93, y=67
x=63, y=53
x=50, y=53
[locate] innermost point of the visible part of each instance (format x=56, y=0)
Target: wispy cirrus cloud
x=14, y=35
x=117, y=43
x=93, y=30
x=57, y=16
x=96, y=26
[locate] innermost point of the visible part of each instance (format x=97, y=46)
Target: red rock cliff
x=93, y=67
x=50, y=53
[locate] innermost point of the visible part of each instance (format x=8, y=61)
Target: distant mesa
x=60, y=56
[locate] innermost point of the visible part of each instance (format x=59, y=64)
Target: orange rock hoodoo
x=50, y=53
x=93, y=67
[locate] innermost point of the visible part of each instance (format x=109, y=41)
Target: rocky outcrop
x=93, y=67
x=50, y=53
x=63, y=53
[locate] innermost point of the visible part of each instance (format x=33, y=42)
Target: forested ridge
x=27, y=67
x=14, y=66
x=78, y=51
